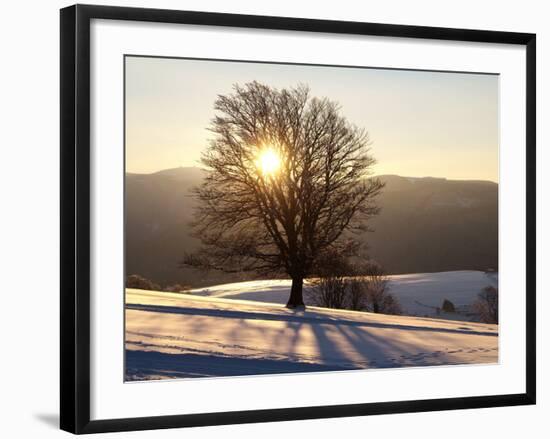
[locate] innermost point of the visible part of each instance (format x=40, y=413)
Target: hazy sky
x=420, y=123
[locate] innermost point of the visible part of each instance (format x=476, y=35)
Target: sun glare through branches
x=268, y=161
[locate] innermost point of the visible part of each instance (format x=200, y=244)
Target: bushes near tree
x=486, y=305
x=448, y=306
x=359, y=286
x=141, y=283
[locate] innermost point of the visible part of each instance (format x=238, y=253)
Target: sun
x=268, y=161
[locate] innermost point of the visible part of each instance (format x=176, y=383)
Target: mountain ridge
x=196, y=169
x=426, y=224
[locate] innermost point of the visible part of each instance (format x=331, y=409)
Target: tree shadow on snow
x=251, y=315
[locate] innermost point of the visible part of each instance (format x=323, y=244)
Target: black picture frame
x=75, y=217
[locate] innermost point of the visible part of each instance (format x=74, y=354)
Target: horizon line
x=374, y=175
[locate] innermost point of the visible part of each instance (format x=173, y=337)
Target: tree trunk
x=296, y=299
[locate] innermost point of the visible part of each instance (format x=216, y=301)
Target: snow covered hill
x=174, y=335
x=419, y=294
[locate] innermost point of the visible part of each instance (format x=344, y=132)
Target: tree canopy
x=289, y=181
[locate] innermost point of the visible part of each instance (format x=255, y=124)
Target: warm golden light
x=268, y=161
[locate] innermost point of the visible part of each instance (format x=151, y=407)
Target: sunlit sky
x=420, y=123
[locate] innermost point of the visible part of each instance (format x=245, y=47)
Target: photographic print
x=295, y=218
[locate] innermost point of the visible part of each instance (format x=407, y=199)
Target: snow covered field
x=243, y=329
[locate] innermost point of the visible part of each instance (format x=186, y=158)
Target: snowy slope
x=419, y=294
x=171, y=335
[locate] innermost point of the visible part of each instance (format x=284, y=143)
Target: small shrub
x=448, y=306
x=390, y=305
x=177, y=288
x=487, y=305
x=377, y=296
x=356, y=295
x=141, y=283
x=358, y=287
x=330, y=288
x=330, y=292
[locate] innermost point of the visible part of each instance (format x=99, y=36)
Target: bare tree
x=487, y=305
x=378, y=298
x=357, y=294
x=346, y=283
x=329, y=292
x=288, y=182
x=330, y=289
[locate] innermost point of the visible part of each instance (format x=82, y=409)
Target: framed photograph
x=268, y=219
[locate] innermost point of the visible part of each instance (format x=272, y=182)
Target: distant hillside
x=426, y=225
